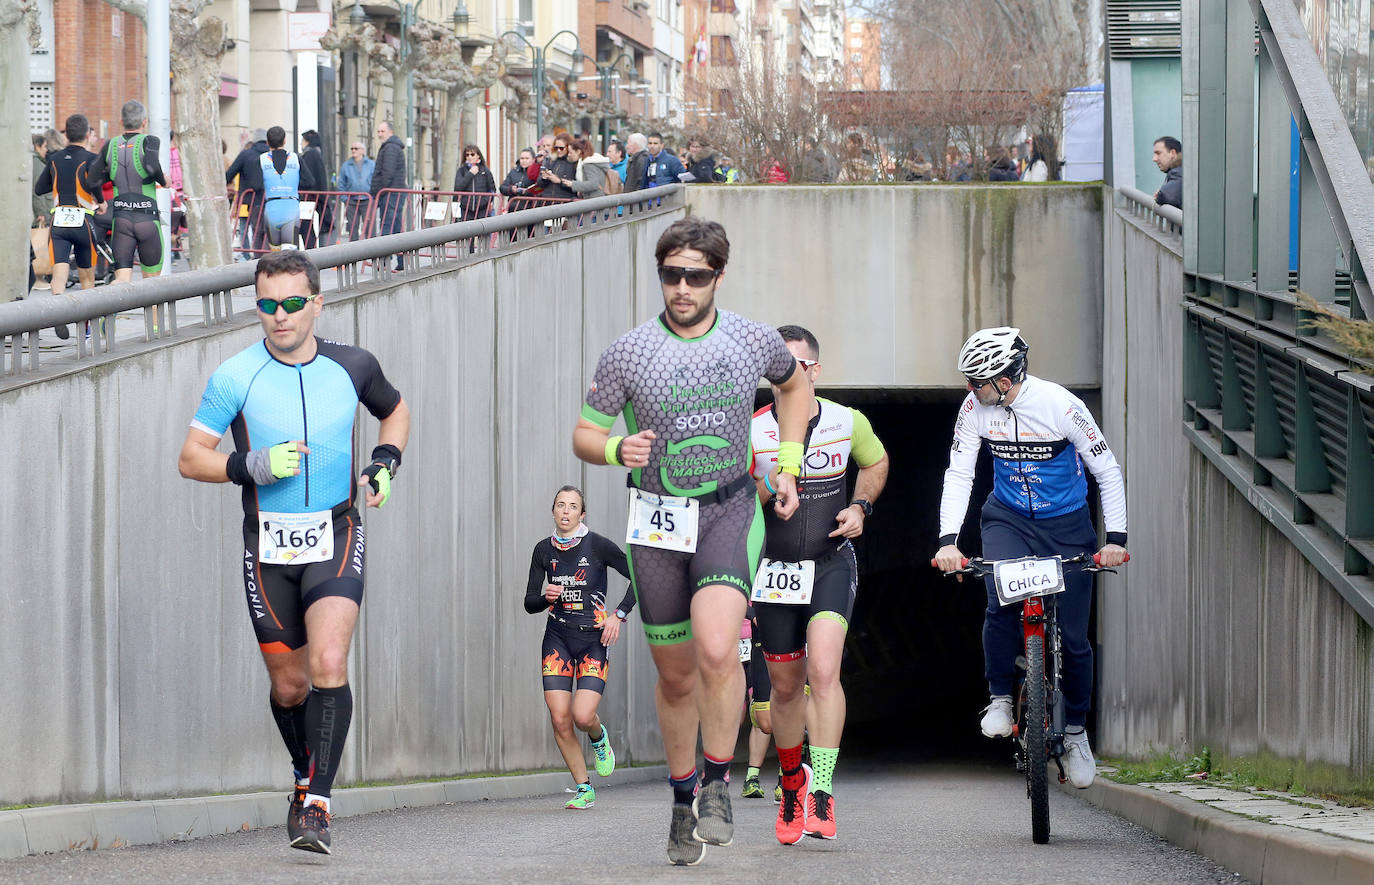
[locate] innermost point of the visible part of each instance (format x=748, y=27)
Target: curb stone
x=1264, y=853
x=102, y=825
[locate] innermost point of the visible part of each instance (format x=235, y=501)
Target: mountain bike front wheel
x=1035, y=734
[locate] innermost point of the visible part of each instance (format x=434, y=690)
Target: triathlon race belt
x=784, y=583
x=295, y=538
x=665, y=521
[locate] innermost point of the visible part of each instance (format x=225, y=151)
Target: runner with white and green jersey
x=685, y=384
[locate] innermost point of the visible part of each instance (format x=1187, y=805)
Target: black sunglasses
x=560, y=148
x=290, y=304
x=977, y=383
x=696, y=277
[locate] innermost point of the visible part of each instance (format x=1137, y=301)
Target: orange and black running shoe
x=293, y=812
x=314, y=829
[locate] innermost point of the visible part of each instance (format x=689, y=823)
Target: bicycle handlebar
x=979, y=567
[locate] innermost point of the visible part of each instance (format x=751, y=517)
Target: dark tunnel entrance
x=913, y=664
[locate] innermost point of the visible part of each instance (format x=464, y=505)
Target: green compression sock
x=822, y=767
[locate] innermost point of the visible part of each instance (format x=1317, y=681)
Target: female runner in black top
x=568, y=580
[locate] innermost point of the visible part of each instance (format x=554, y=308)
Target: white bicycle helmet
x=990, y=353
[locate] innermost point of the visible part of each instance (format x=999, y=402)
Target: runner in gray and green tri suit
x=131, y=162
x=685, y=383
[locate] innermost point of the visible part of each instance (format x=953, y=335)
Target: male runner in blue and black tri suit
x=291, y=402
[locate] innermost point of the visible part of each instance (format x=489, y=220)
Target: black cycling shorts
x=278, y=595
x=67, y=243
x=730, y=537
x=137, y=233
x=571, y=654
x=782, y=628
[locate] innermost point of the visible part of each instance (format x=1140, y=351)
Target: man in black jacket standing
x=389, y=173
x=637, y=145
x=701, y=162
x=248, y=167
x=1168, y=156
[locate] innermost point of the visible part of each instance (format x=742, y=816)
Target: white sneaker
x=1078, y=760
x=997, y=717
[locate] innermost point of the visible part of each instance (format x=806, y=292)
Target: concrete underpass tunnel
x=913, y=665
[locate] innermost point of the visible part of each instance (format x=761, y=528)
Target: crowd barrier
x=330, y=217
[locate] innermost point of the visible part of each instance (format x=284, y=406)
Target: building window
x=856, y=27
x=40, y=107
x=722, y=51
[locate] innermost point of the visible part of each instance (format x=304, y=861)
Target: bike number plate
x=784, y=583
x=662, y=521
x=746, y=650
x=1021, y=579
x=68, y=216
x=295, y=538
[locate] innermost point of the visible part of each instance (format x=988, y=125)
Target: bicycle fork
x=1039, y=618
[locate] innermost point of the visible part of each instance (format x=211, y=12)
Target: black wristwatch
x=620, y=614
x=864, y=505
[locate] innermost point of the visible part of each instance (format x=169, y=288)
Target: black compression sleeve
x=237, y=469
x=946, y=540
x=534, y=587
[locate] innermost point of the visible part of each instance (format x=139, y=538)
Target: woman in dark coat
x=522, y=181
x=474, y=178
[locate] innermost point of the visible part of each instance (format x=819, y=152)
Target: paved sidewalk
x=97, y=825
x=1265, y=836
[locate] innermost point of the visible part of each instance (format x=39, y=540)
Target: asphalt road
x=914, y=823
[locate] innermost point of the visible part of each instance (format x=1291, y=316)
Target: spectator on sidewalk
x=637, y=145
x=1043, y=164
x=389, y=174
x=247, y=168
x=355, y=177
x=701, y=163
x=1168, y=156
x=474, y=177
x=663, y=167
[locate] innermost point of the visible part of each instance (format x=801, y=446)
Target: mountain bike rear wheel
x=1035, y=734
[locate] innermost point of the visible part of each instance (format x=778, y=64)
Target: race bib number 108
x=785, y=583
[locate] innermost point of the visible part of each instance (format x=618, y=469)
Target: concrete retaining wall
x=1219, y=633
x=131, y=668
x=893, y=278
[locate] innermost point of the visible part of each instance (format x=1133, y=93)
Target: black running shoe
x=293, y=813
x=314, y=829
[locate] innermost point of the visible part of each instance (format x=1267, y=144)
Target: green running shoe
x=605, y=756
x=752, y=789
x=585, y=798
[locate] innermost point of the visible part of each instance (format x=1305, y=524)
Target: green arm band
x=598, y=418
x=790, y=457
x=613, y=451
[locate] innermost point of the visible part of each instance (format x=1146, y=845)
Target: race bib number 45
x=1023, y=578
x=295, y=538
x=785, y=583
x=663, y=521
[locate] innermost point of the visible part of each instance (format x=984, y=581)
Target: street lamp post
x=539, y=71
x=607, y=73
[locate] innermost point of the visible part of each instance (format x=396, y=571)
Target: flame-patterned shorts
x=570, y=653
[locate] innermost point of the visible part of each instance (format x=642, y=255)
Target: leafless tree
x=199, y=42
x=18, y=32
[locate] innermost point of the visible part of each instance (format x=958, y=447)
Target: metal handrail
x=1143, y=205
x=1337, y=166
x=20, y=321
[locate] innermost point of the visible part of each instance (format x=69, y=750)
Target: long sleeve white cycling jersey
x=1038, y=445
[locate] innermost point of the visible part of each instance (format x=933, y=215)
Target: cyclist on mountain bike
x=1039, y=436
